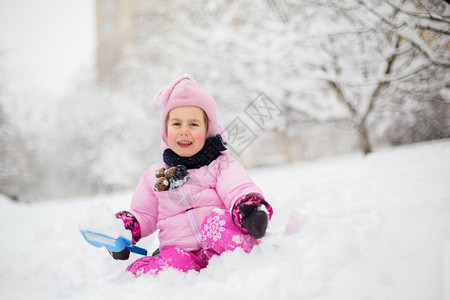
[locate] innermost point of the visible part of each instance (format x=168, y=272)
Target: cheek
x=199, y=138
x=171, y=136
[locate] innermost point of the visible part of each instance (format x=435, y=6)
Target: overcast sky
x=44, y=43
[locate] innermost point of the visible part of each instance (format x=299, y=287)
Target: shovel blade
x=100, y=240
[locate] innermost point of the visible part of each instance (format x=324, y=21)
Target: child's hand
x=248, y=213
x=254, y=220
x=122, y=255
x=129, y=222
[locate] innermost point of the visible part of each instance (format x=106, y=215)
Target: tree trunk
x=287, y=147
x=363, y=135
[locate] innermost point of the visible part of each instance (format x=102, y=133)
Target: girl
x=200, y=199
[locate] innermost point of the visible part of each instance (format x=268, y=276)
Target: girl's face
x=186, y=130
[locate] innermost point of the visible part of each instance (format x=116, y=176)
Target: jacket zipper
x=190, y=215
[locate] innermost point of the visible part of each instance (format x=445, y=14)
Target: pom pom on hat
x=184, y=91
x=162, y=97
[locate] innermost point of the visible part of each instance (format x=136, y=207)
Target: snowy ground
x=353, y=227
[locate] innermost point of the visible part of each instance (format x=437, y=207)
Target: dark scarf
x=209, y=152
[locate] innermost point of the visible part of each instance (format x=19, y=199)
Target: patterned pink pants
x=219, y=234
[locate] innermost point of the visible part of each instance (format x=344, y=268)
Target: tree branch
x=383, y=83
x=341, y=97
x=417, y=15
x=421, y=47
x=431, y=28
x=407, y=34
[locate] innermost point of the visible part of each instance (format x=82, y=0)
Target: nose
x=184, y=130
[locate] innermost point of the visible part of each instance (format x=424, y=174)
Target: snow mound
x=98, y=217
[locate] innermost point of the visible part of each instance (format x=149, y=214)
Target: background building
x=125, y=30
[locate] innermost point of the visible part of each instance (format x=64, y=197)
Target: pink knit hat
x=184, y=91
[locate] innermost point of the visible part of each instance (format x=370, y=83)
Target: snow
x=351, y=227
x=109, y=225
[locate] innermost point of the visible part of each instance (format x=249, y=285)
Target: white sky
x=44, y=43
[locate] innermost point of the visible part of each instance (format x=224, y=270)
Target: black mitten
x=248, y=214
x=122, y=255
x=254, y=220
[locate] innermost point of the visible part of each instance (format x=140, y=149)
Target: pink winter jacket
x=178, y=213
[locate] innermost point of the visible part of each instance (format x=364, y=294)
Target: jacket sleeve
x=144, y=204
x=233, y=181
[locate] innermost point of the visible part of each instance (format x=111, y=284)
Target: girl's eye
x=175, y=124
x=194, y=124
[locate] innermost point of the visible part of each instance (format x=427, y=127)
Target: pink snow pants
x=218, y=233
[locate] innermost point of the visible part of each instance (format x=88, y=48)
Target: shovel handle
x=137, y=250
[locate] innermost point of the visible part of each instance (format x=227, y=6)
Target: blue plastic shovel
x=112, y=244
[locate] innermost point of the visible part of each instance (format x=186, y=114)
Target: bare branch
x=382, y=84
x=341, y=97
x=381, y=17
x=408, y=74
x=407, y=34
x=421, y=47
x=435, y=29
x=417, y=15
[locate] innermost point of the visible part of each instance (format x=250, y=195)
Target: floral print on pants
x=218, y=233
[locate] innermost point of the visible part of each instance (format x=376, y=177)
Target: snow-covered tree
x=376, y=56
x=98, y=140
x=326, y=61
x=17, y=161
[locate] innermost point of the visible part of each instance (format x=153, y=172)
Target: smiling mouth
x=184, y=143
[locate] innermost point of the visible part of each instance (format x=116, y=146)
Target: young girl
x=200, y=199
